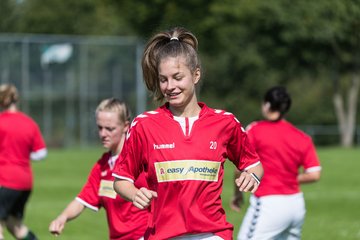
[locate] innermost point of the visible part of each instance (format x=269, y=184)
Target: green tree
x=147, y=17
x=254, y=44
x=8, y=15
x=81, y=17
x=246, y=46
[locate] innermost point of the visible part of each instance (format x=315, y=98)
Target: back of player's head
x=279, y=99
x=8, y=95
x=117, y=106
x=172, y=43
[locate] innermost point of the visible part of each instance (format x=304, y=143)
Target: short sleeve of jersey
x=38, y=140
x=250, y=134
x=89, y=193
x=310, y=158
x=240, y=150
x=129, y=164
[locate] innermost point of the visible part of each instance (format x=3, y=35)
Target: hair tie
x=174, y=38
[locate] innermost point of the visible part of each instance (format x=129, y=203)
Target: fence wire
x=61, y=80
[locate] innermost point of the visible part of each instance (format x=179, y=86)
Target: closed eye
x=110, y=129
x=162, y=79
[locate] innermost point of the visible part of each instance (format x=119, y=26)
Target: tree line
x=311, y=47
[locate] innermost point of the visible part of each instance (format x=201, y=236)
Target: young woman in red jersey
x=20, y=141
x=277, y=208
x=124, y=220
x=182, y=147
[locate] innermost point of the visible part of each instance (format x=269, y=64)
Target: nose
x=171, y=84
x=102, y=132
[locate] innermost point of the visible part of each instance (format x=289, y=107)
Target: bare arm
x=238, y=197
x=73, y=210
x=309, y=177
x=141, y=198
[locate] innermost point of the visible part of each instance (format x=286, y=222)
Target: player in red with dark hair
x=277, y=208
x=20, y=141
x=182, y=147
x=124, y=220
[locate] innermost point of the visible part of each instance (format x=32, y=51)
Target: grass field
x=333, y=204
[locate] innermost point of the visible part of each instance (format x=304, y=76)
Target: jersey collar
x=203, y=106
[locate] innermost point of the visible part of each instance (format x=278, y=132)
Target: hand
x=246, y=183
x=143, y=197
x=57, y=226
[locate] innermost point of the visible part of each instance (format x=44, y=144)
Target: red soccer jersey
x=19, y=136
x=125, y=221
x=283, y=149
x=186, y=168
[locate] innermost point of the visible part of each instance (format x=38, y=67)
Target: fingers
x=56, y=227
x=143, y=197
x=246, y=183
x=256, y=186
x=55, y=233
x=153, y=193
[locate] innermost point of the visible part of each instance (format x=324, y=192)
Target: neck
x=12, y=108
x=187, y=112
x=119, y=147
x=273, y=116
x=190, y=109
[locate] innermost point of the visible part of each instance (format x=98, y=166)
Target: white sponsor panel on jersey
x=181, y=170
x=106, y=189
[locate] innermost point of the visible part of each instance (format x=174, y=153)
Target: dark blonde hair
x=173, y=43
x=117, y=106
x=8, y=95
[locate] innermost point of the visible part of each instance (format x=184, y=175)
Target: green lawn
x=58, y=179
x=333, y=204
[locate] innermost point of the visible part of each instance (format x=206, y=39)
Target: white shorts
x=201, y=236
x=273, y=217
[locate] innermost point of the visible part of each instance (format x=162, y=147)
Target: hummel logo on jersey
x=103, y=173
x=164, y=146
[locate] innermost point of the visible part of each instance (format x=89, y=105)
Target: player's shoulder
x=253, y=125
x=104, y=158
x=301, y=134
x=23, y=119
x=101, y=163
x=221, y=113
x=258, y=125
x=18, y=115
x=143, y=121
x=29, y=120
x=145, y=117
x=227, y=118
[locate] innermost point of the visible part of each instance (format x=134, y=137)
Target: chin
x=175, y=102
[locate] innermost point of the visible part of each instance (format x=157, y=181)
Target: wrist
x=135, y=192
x=257, y=179
x=62, y=218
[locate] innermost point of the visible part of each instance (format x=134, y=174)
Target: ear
x=126, y=126
x=266, y=106
x=197, y=75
